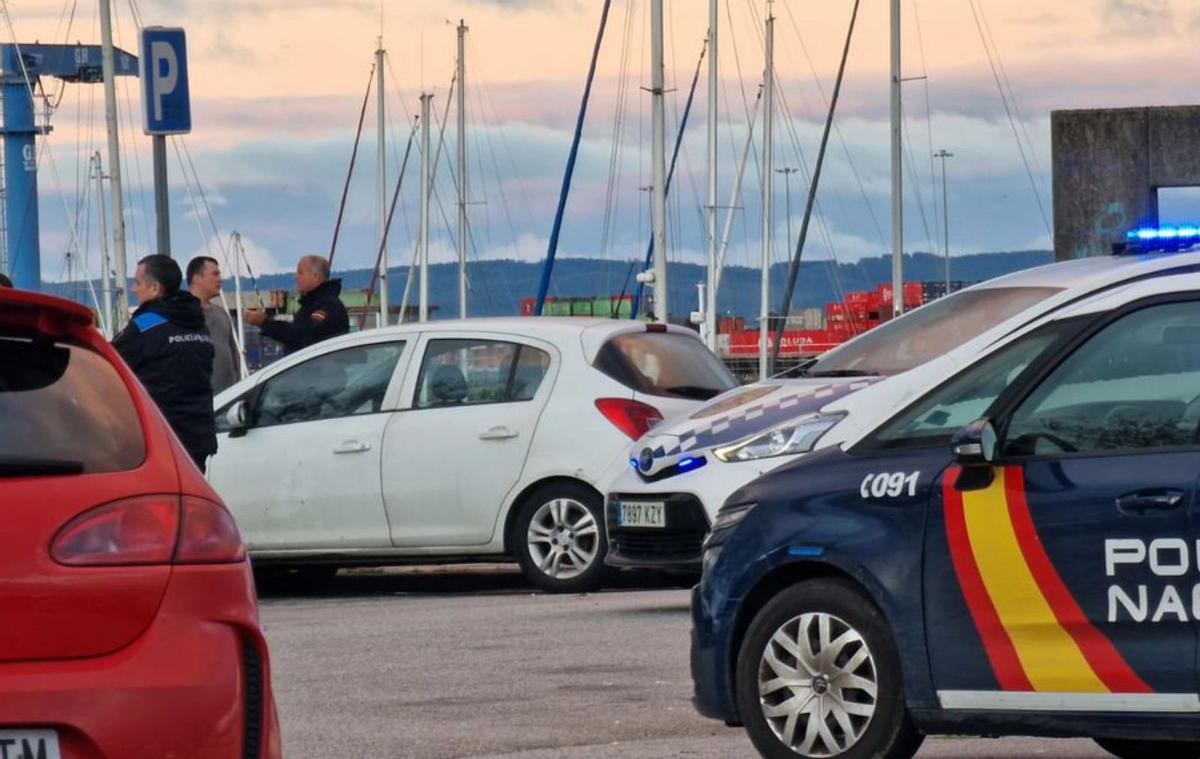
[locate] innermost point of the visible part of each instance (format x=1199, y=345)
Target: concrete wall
x=1108, y=165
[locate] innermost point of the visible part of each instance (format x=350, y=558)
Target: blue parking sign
x=166, y=108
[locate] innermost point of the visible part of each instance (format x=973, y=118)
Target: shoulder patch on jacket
x=149, y=320
x=319, y=315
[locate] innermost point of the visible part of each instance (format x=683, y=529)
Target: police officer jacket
x=321, y=316
x=168, y=347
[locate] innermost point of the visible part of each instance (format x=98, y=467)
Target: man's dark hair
x=5, y=281
x=195, y=267
x=163, y=270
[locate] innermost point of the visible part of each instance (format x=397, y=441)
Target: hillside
x=498, y=286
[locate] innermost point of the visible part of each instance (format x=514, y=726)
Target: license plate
x=29, y=744
x=642, y=514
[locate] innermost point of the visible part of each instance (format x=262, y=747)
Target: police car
x=660, y=508
x=1017, y=551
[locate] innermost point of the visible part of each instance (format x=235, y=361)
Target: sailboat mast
x=897, y=171
x=381, y=108
x=238, y=252
x=659, y=200
x=768, y=172
x=462, y=169
x=423, y=243
x=710, y=303
x=108, y=68
x=105, y=265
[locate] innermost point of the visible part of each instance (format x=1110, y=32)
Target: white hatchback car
x=660, y=509
x=451, y=440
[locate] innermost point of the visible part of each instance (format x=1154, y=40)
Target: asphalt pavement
x=442, y=662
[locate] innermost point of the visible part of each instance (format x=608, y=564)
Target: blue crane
x=20, y=67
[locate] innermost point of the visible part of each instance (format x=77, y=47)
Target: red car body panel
x=164, y=660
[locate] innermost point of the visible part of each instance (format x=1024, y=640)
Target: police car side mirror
x=974, y=450
x=238, y=419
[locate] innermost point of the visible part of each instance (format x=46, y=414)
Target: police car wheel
x=559, y=538
x=1150, y=749
x=818, y=676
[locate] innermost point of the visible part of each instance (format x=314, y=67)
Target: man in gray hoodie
x=204, y=280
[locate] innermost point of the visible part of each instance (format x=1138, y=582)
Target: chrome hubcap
x=563, y=538
x=818, y=685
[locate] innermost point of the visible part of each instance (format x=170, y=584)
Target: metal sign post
x=166, y=109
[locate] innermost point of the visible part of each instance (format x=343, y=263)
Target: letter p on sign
x=166, y=107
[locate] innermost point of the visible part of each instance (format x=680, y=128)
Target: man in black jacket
x=321, y=313
x=167, y=345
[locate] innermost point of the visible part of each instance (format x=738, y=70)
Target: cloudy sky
x=277, y=85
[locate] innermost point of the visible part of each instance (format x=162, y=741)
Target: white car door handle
x=352, y=446
x=498, y=433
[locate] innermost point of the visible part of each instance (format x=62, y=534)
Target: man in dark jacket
x=168, y=347
x=321, y=313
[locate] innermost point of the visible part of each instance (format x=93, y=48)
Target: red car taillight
x=634, y=418
x=147, y=530
x=209, y=534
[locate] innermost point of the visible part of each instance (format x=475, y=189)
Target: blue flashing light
x=806, y=551
x=690, y=463
x=633, y=463
x=1164, y=238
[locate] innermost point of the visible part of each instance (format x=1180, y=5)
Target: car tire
x=857, y=697
x=559, y=538
x=1127, y=749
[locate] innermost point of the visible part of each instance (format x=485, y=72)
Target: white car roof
x=565, y=332
x=1089, y=271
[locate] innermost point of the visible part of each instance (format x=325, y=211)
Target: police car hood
x=740, y=413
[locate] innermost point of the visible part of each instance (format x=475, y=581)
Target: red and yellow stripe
x=1036, y=636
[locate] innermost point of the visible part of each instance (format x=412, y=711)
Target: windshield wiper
x=38, y=467
x=842, y=373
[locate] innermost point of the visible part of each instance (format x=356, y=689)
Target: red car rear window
x=65, y=410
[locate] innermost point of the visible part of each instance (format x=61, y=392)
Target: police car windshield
x=927, y=332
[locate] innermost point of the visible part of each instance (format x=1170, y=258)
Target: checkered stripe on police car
x=775, y=410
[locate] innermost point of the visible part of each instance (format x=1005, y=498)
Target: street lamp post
x=787, y=173
x=944, y=154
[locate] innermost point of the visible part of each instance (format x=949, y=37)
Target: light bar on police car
x=1164, y=237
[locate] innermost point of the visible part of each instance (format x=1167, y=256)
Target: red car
x=129, y=624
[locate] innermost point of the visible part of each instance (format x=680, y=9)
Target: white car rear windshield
x=663, y=363
x=928, y=332
x=65, y=411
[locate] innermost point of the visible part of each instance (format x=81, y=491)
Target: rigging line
x=208, y=209
x=618, y=108
x=128, y=142
x=838, y=131
x=937, y=216
x=440, y=154
x=362, y=320
x=793, y=133
x=1011, y=92
x=623, y=137
x=499, y=176
x=187, y=183
x=514, y=173
x=485, y=97
x=337, y=227
x=1012, y=124
x=737, y=59
x=637, y=299
x=479, y=136
x=45, y=146
x=917, y=191
x=794, y=266
x=568, y=173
